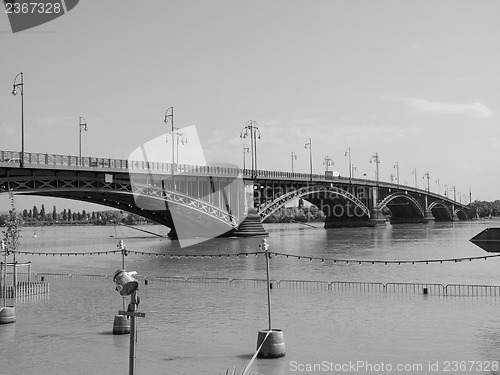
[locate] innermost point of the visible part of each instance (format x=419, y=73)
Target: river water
x=206, y=328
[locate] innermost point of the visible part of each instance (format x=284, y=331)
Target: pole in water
x=270, y=342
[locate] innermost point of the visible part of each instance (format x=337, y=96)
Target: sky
x=417, y=82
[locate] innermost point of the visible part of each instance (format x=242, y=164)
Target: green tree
x=42, y=213
x=54, y=213
x=35, y=213
x=13, y=226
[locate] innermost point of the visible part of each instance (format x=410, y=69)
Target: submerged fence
x=312, y=285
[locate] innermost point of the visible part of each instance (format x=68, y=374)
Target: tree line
x=40, y=216
x=485, y=209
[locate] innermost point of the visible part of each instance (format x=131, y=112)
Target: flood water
x=207, y=328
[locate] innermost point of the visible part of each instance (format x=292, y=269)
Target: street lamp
x=396, y=166
x=245, y=151
x=20, y=85
x=252, y=129
x=428, y=177
x=169, y=116
x=375, y=158
x=309, y=143
x=415, y=173
x=348, y=153
x=327, y=162
x=446, y=190
x=353, y=168
x=294, y=157
x=83, y=125
x=439, y=190
x=179, y=137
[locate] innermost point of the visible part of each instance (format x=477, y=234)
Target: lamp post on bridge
x=376, y=213
x=294, y=157
x=437, y=182
x=245, y=151
x=82, y=125
x=169, y=117
x=327, y=162
x=415, y=173
x=396, y=166
x=446, y=190
x=309, y=143
x=428, y=177
x=179, y=137
x=348, y=153
x=252, y=129
x=376, y=159
x=20, y=86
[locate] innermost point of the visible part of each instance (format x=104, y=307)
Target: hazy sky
x=416, y=81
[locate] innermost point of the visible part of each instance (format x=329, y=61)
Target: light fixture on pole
x=309, y=144
x=327, y=162
x=348, y=153
x=245, y=151
x=169, y=117
x=428, y=178
x=396, y=166
x=83, y=125
x=439, y=190
x=415, y=173
x=252, y=129
x=126, y=285
x=294, y=157
x=20, y=85
x=376, y=159
x=180, y=137
x=353, y=168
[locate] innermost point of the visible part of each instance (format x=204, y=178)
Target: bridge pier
x=429, y=217
x=377, y=217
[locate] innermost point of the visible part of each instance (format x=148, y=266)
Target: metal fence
x=320, y=285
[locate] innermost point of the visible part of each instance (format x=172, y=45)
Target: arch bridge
x=218, y=196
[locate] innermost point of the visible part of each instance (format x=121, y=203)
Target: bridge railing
x=13, y=158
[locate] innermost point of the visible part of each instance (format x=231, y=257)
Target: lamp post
x=376, y=159
x=20, y=85
x=83, y=125
x=396, y=166
x=439, y=190
x=348, y=153
x=353, y=168
x=415, y=173
x=428, y=178
x=245, y=151
x=327, y=162
x=446, y=190
x=169, y=116
x=309, y=143
x=126, y=285
x=252, y=129
x=294, y=157
x=179, y=137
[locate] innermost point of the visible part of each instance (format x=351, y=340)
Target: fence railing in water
x=321, y=285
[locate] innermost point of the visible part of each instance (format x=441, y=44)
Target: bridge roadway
x=218, y=196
